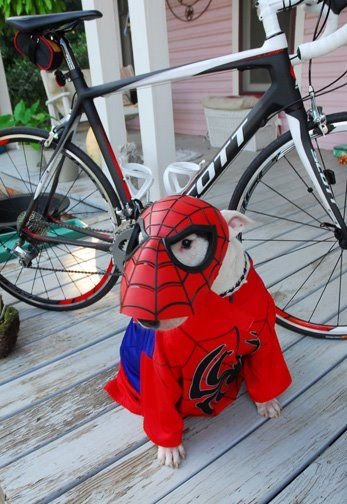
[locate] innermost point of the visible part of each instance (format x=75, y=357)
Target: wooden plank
x=49, y=380
x=37, y=426
x=323, y=481
x=34, y=426
x=139, y=473
x=37, y=324
x=62, y=343
x=46, y=472
x=276, y=451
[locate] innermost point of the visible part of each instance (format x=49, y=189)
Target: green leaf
x=19, y=111
x=35, y=106
x=29, y=6
x=6, y=121
x=19, y=7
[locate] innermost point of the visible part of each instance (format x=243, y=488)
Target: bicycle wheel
x=54, y=276
x=293, y=243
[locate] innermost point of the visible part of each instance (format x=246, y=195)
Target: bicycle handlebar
x=324, y=45
x=331, y=39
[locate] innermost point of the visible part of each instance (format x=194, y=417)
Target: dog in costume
x=202, y=322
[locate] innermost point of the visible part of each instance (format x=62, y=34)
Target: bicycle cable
x=317, y=93
x=317, y=32
x=327, y=88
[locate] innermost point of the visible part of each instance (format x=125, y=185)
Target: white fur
x=233, y=263
x=229, y=273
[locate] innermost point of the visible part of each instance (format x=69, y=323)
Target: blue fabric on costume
x=136, y=340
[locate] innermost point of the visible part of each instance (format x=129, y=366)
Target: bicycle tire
x=302, y=264
x=60, y=277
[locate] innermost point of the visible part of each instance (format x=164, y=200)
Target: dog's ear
x=236, y=221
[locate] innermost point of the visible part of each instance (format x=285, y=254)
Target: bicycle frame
x=283, y=94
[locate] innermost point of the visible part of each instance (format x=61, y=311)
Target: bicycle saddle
x=43, y=22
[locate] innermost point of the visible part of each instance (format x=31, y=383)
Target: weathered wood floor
x=62, y=440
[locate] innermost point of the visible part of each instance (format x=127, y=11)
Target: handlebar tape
x=324, y=45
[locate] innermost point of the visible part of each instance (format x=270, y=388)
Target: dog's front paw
x=171, y=457
x=269, y=409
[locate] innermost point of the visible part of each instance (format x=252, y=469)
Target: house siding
x=206, y=37
x=210, y=36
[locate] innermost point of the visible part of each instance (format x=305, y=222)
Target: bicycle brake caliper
x=316, y=114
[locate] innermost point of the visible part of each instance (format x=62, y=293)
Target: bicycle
x=65, y=247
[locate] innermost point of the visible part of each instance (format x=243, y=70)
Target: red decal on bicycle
x=304, y=323
x=117, y=167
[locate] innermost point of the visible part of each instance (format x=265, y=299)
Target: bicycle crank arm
x=118, y=247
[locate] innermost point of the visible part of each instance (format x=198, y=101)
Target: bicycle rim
x=294, y=247
x=59, y=276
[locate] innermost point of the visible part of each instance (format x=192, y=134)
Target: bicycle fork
x=297, y=121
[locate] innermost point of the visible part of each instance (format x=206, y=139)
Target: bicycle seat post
x=75, y=72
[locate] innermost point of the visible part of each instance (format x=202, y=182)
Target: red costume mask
x=158, y=282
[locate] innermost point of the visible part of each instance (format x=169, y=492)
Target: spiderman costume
x=196, y=368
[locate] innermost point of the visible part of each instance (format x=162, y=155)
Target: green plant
x=31, y=116
x=23, y=115
x=6, y=121
x=24, y=81
x=21, y=7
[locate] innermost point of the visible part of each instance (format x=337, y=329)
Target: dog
x=202, y=322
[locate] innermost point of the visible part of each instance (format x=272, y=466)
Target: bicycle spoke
x=309, y=276
x=17, y=170
x=301, y=268
x=278, y=217
x=325, y=287
x=306, y=185
x=283, y=254
x=303, y=264
x=61, y=275
x=290, y=201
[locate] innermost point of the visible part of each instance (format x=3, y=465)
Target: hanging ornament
x=189, y=13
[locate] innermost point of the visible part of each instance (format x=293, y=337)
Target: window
x=251, y=36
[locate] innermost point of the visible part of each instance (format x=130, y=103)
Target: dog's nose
x=149, y=324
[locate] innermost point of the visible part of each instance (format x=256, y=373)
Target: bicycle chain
x=43, y=268
x=75, y=228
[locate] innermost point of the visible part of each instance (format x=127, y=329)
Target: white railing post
x=150, y=46
x=105, y=63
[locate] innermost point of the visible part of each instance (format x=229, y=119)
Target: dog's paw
x=269, y=409
x=171, y=457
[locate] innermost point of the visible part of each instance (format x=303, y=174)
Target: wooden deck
x=62, y=440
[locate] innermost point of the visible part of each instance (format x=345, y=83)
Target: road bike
x=62, y=245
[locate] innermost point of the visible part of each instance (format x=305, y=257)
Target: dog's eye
x=186, y=243
x=191, y=251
